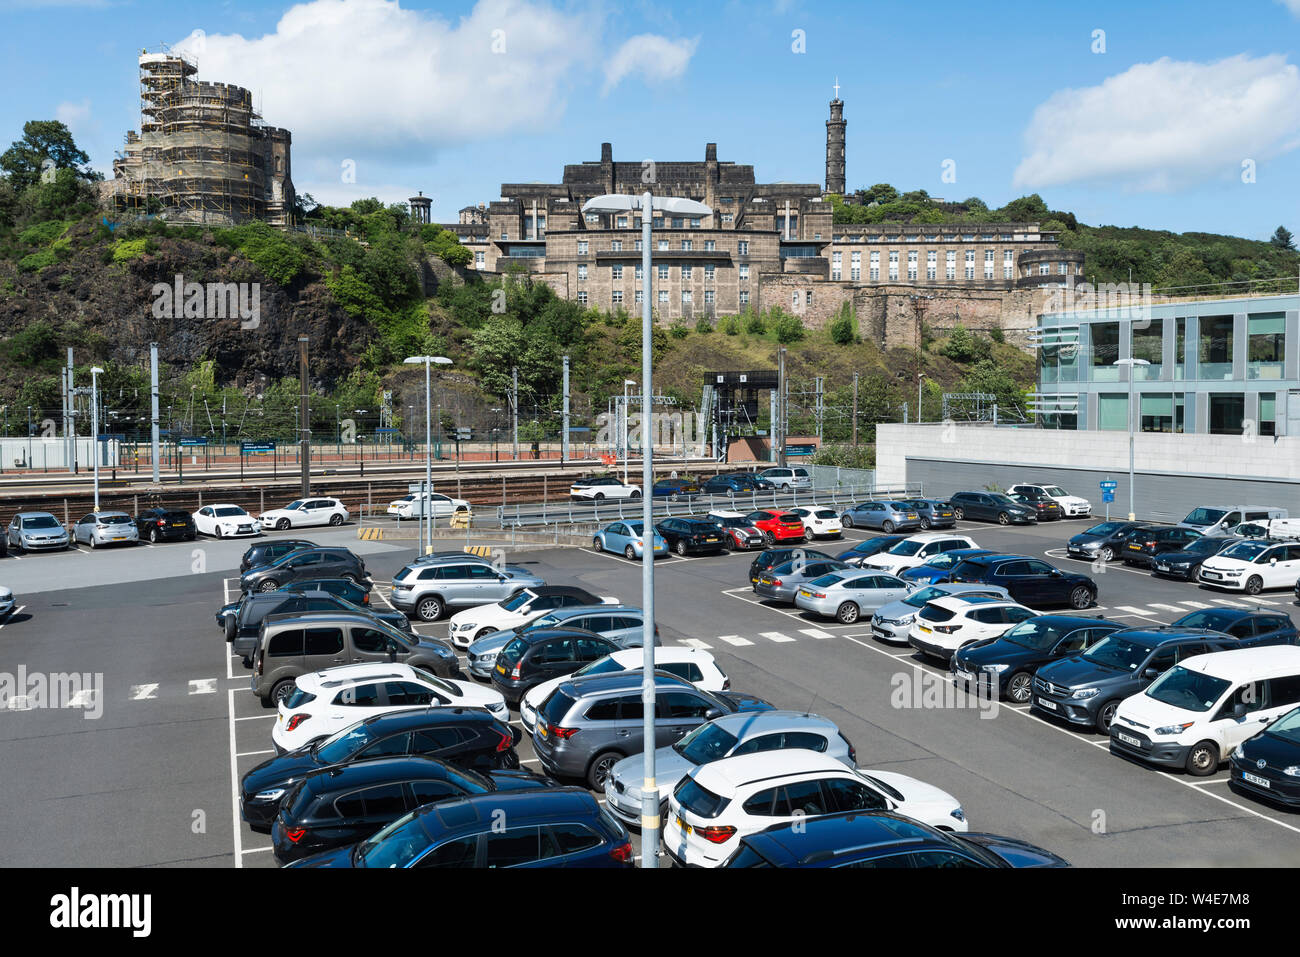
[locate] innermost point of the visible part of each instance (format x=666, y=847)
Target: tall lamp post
x=626, y=454
x=919, y=376
x=1132, y=374
x=426, y=499
x=647, y=204
x=94, y=425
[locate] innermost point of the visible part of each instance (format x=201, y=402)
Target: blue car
x=937, y=568
x=559, y=827
x=624, y=538
x=676, y=488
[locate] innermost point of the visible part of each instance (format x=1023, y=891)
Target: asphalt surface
x=142, y=770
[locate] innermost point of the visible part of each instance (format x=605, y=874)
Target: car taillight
x=295, y=834
x=716, y=835
x=259, y=663
x=296, y=720
x=506, y=742
x=365, y=599
x=515, y=674
x=818, y=594
x=161, y=523
x=947, y=629
x=564, y=733
x=622, y=853
x=777, y=582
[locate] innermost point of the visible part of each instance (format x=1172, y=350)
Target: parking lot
x=149, y=761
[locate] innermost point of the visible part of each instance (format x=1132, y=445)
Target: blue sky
x=456, y=98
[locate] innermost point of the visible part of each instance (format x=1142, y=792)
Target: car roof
x=934, y=536
x=473, y=813
x=668, y=654
x=317, y=618
x=1153, y=635
x=723, y=513
x=830, y=836
x=379, y=770
x=533, y=635
x=734, y=772
x=571, y=591
x=34, y=515
x=409, y=718
x=1076, y=621
x=574, y=611
x=958, y=603
x=585, y=685
x=1242, y=663
x=347, y=675
x=764, y=722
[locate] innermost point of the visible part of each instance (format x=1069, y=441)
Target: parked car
x=587, y=725
x=796, y=477
x=819, y=521
x=916, y=550
x=769, y=558
x=304, y=564
x=887, y=516
x=1047, y=508
x=225, y=521
x=1252, y=566
x=556, y=827
x=739, y=530
x=783, y=582
x=600, y=487
x=345, y=588
x=1031, y=581
x=324, y=702
x=519, y=609
x=723, y=737
x=37, y=531
x=881, y=839
x=541, y=654
x=675, y=489
x=1087, y=688
x=695, y=665
x=293, y=645
x=1266, y=764
x=427, y=591
x=992, y=507
x=627, y=539
x=1248, y=627
x=1103, y=541
x=1145, y=544
x=687, y=536
x=459, y=555
x=243, y=628
x=306, y=511
x=893, y=622
x=342, y=806
x=623, y=625
x=946, y=625
x=1282, y=529
x=1216, y=519
x=439, y=506
x=1009, y=661
x=934, y=512
x=1185, y=564
x=778, y=525
x=717, y=804
x=845, y=595
x=467, y=737
x=753, y=482
x=263, y=553
x=1194, y=715
x=868, y=547
x=6, y=600
x=938, y=567
x=1072, y=506
x=106, y=528
x=723, y=485
x=165, y=525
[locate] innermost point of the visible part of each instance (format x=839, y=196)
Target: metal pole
x=781, y=403
x=514, y=406
x=304, y=437
x=564, y=439
x=70, y=423
x=772, y=431
x=1131, y=513
x=426, y=503
x=94, y=431
x=626, y=454
x=649, y=789
x=153, y=406
x=919, y=378
x=855, y=410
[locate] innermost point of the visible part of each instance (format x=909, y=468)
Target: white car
x=603, y=487
x=819, y=521
x=694, y=664
x=1253, y=566
x=328, y=701
x=917, y=550
x=306, y=511
x=440, y=506
x=6, y=601
x=224, y=521
x=1072, y=506
x=466, y=627
x=945, y=625
x=788, y=478
x=719, y=803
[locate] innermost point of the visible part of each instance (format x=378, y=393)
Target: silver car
x=845, y=595
x=892, y=622
x=428, y=590
x=723, y=737
x=782, y=582
x=37, y=531
x=622, y=624
x=106, y=528
x=886, y=516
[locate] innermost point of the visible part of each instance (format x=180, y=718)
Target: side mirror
x=1057, y=573
x=1239, y=711
x=1151, y=674
x=713, y=713
x=392, y=652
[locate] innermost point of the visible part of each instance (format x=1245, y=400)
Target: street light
x=1131, y=363
x=647, y=204
x=426, y=500
x=626, y=383
x=94, y=426
x=919, y=377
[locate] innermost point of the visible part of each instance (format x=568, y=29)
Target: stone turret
x=835, y=147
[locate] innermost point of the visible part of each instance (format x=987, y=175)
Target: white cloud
x=72, y=115
x=1165, y=125
x=651, y=57
x=1292, y=5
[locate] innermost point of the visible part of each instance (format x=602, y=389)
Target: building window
x=1216, y=348
x=616, y=246
x=794, y=299
x=582, y=272
x=1008, y=264
x=686, y=245
x=695, y=222
x=582, y=296
x=582, y=247
x=1063, y=270
x=726, y=218
x=636, y=245
x=1265, y=343
x=1227, y=413
x=638, y=273
x=1105, y=351
x=663, y=273
x=1161, y=412
x=950, y=264
x=636, y=222
x=1268, y=413
x=911, y=265
x=931, y=264
x=505, y=237
x=637, y=297
x=657, y=222
x=710, y=245
x=1148, y=342
x=744, y=272
x=708, y=297
x=1044, y=269
x=988, y=264
x=686, y=297
x=855, y=266
x=687, y=272
x=677, y=222
x=663, y=296
x=744, y=297
x=593, y=218
x=615, y=272
x=742, y=248
x=893, y=264
x=817, y=236
x=970, y=264
x=622, y=222
x=478, y=260
x=663, y=245
x=1112, y=411
x=837, y=265
x=808, y=299
x=709, y=270
x=617, y=296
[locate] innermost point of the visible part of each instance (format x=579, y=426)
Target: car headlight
x=1238, y=753
x=1293, y=771
x=271, y=794
x=490, y=656
x=958, y=814
x=497, y=706
x=468, y=626
x=1084, y=693
x=1174, y=728
x=996, y=669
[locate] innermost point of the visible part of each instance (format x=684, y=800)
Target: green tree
x=844, y=327
x=788, y=329
x=43, y=140
x=1283, y=239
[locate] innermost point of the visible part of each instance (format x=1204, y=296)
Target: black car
x=1048, y=509
x=722, y=485
x=1248, y=627
x=1103, y=541
x=769, y=558
x=303, y=564
x=1012, y=658
x=263, y=553
x=1086, y=689
x=687, y=536
x=344, y=588
x=1030, y=581
x=327, y=809
x=467, y=737
x=1144, y=544
x=992, y=507
x=871, y=546
x=541, y=654
x=243, y=627
x=859, y=838
x=751, y=482
x=165, y=525
x=1264, y=766
x=934, y=512
x=675, y=489
x=1184, y=564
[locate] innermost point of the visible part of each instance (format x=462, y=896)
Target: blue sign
x=194, y=440
x=800, y=449
x=113, y=436
x=1108, y=496
x=256, y=448
x=1109, y=486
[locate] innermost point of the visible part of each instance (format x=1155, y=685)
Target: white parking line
x=1194, y=604
x=12, y=613
x=736, y=640
x=696, y=643
x=203, y=686
x=1156, y=604
x=253, y=850
x=234, y=780
x=255, y=717
x=1140, y=612
x=776, y=636
x=143, y=692
x=815, y=633
x=1228, y=602
x=253, y=754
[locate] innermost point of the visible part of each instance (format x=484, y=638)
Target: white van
x=1198, y=711
x=1216, y=519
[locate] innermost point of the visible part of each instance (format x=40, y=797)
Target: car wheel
x=847, y=521
x=1105, y=715
x=888, y=527
x=282, y=689
x=269, y=584
x=336, y=519
x=680, y=548
x=595, y=545
x=218, y=532
x=1107, y=554
x=808, y=535
x=599, y=496
x=958, y=514
x=1081, y=597
x=352, y=578
x=153, y=535
x=847, y=613
x=1019, y=687
x=925, y=523
x=1203, y=759
x=1254, y=585
x=673, y=498
x=629, y=553
x=1004, y=518
x=769, y=539
x=282, y=524
x=229, y=626
x=599, y=769
x=429, y=609
x=93, y=546
x=635, y=494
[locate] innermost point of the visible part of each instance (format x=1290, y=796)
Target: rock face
x=117, y=301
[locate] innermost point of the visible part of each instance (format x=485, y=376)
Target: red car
x=777, y=525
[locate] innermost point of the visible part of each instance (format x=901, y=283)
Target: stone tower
x=835, y=145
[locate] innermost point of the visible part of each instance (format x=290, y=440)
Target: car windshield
x=918, y=598
x=825, y=513
x=430, y=678
x=1055, y=491
x=395, y=846
x=41, y=521
x=518, y=601
x=514, y=650
x=635, y=527
x=601, y=666
x=1204, y=546
x=118, y=519
x=296, y=503
x=1186, y=689
x=942, y=560
x=345, y=743
x=1105, y=528
x=825, y=580
x=998, y=497
x=1036, y=635
x=1204, y=516
x=228, y=511
x=906, y=548
x=1286, y=727
x=1118, y=651
x=706, y=743
x=1245, y=551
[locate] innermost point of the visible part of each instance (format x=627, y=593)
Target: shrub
x=42, y=234
x=38, y=260
x=844, y=328
x=754, y=324
x=730, y=326
x=679, y=329
x=788, y=329
x=997, y=335
x=703, y=325
x=124, y=250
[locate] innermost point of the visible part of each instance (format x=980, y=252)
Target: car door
x=323, y=648
x=84, y=528
x=888, y=588
x=1287, y=569
x=1014, y=578
x=678, y=713
x=489, y=584
x=353, y=704
x=304, y=566
x=1050, y=585
x=368, y=645
x=553, y=658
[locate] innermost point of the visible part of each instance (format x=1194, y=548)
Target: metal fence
x=832, y=476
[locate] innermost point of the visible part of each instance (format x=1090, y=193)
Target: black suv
x=1186, y=563
x=688, y=535
x=304, y=564
x=1012, y=658
x=243, y=627
x=1250, y=628
x=468, y=737
x=991, y=507
x=165, y=525
x=1030, y=581
x=1144, y=544
x=769, y=558
x=1103, y=541
x=263, y=553
x=542, y=654
x=1087, y=689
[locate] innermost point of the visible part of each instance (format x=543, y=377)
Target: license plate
x=685, y=828
x=924, y=629
x=1162, y=568
x=1074, y=549
x=119, y=538
x=712, y=539
x=965, y=675
x=804, y=594
x=543, y=730
x=765, y=581
x=1256, y=779
x=1049, y=705
x=945, y=514
x=178, y=524
x=1135, y=548
x=879, y=631
x=1128, y=739
x=911, y=515
x=501, y=669
x=1214, y=575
